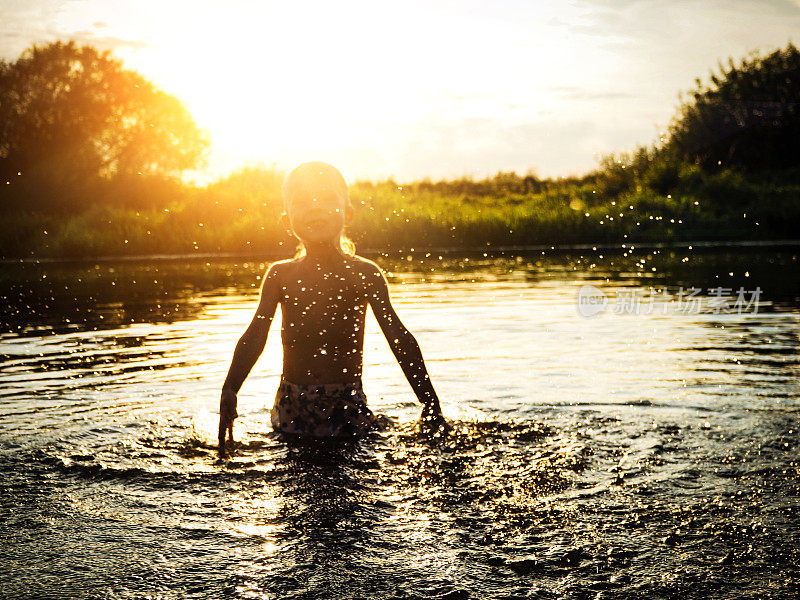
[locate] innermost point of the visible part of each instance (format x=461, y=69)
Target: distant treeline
x=90, y=158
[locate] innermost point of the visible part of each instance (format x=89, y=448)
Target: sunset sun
x=273, y=95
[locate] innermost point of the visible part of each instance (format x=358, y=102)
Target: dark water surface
x=651, y=453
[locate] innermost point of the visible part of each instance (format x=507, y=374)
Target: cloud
x=479, y=146
x=673, y=23
x=103, y=42
x=579, y=94
x=23, y=24
x=16, y=42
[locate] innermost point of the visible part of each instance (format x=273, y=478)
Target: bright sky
x=411, y=89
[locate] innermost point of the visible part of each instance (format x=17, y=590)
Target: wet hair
x=316, y=175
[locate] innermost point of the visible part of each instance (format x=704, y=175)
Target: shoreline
x=451, y=250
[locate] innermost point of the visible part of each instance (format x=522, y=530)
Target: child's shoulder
x=358, y=264
x=280, y=266
x=365, y=266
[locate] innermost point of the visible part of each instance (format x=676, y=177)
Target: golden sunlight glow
x=420, y=88
x=266, y=95
x=359, y=84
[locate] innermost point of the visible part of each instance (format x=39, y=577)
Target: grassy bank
x=620, y=202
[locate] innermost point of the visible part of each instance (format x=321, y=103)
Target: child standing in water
x=323, y=292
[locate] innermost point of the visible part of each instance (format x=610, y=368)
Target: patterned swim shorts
x=322, y=410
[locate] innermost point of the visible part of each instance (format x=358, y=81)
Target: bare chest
x=317, y=304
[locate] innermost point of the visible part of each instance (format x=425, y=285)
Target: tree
x=748, y=117
x=71, y=115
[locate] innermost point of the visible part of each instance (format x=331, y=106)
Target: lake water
x=648, y=451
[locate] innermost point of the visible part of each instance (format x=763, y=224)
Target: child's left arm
x=406, y=350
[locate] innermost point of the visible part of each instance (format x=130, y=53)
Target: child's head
x=317, y=205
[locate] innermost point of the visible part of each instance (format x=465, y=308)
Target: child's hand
x=227, y=413
x=432, y=421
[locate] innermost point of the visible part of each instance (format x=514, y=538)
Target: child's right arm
x=248, y=349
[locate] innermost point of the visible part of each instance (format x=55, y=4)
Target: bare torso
x=323, y=310
x=323, y=301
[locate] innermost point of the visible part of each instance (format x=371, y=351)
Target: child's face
x=317, y=215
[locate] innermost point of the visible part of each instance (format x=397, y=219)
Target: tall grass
x=638, y=197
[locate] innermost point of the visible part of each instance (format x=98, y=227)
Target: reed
x=652, y=200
